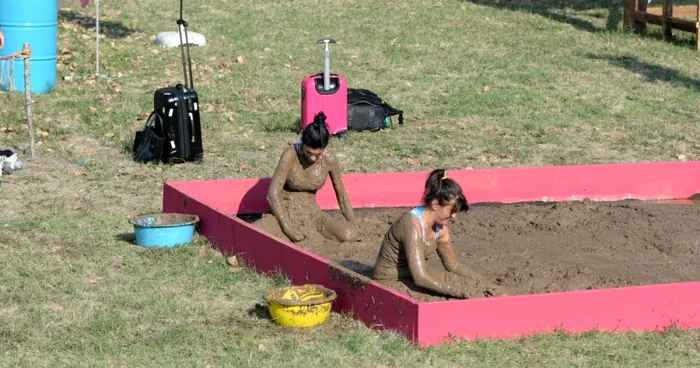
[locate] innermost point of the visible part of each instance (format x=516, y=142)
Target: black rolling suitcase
x=178, y=108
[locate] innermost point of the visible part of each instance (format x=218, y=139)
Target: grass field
x=495, y=83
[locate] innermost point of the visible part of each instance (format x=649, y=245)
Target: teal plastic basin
x=164, y=229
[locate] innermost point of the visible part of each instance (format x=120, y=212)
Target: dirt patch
x=543, y=248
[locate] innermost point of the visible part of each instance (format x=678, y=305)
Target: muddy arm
x=340, y=193
x=284, y=166
x=449, y=258
x=416, y=263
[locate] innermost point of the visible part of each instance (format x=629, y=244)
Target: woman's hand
x=295, y=236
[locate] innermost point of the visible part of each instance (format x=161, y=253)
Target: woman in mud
x=301, y=172
x=423, y=231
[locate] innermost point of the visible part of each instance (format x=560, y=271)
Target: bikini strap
x=417, y=213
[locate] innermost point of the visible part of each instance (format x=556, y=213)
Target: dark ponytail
x=443, y=189
x=316, y=135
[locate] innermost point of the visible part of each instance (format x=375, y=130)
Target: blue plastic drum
x=34, y=22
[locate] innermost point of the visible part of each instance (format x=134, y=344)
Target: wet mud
x=544, y=248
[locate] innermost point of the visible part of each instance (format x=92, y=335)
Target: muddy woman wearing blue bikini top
x=422, y=232
x=301, y=172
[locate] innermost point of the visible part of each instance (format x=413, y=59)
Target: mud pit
x=543, y=248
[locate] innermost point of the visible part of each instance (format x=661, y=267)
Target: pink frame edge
x=640, y=308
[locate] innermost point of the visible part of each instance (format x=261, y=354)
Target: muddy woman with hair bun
x=422, y=232
x=301, y=172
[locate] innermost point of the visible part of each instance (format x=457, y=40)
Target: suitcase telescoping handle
x=186, y=68
x=326, y=63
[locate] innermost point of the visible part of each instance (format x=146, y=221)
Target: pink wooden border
x=640, y=308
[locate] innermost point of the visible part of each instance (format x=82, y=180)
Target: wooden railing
x=637, y=15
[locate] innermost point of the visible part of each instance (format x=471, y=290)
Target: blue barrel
x=34, y=22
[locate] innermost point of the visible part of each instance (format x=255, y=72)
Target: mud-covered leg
x=336, y=229
x=269, y=224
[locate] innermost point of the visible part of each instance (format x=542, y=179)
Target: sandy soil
x=542, y=248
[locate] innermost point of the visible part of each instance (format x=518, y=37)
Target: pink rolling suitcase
x=325, y=92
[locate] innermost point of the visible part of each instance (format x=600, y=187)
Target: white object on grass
x=172, y=39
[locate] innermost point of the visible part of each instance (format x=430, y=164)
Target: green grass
x=483, y=84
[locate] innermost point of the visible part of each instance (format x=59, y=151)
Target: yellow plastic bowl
x=300, y=306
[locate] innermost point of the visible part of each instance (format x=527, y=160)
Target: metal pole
x=97, y=38
x=26, y=53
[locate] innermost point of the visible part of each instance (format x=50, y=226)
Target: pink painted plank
x=641, y=308
x=661, y=180
x=239, y=196
x=369, y=302
x=375, y=305
x=523, y=184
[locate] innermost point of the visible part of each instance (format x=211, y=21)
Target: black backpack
x=367, y=111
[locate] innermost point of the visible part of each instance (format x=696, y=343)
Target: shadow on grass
x=650, y=72
x=680, y=38
x=109, y=28
x=260, y=311
x=128, y=237
x=551, y=9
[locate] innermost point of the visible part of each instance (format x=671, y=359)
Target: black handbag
x=148, y=143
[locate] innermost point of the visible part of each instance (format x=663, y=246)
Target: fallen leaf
x=681, y=157
x=412, y=161
x=233, y=261
x=93, y=109
x=240, y=60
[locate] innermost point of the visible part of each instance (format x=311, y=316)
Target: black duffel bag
x=367, y=111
